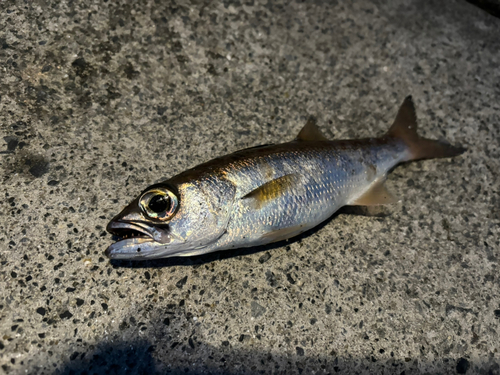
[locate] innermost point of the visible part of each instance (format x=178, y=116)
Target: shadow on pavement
x=177, y=345
x=112, y=358
x=141, y=357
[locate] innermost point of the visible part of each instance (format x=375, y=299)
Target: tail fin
x=405, y=128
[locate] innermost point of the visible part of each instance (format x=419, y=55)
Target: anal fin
x=283, y=233
x=377, y=194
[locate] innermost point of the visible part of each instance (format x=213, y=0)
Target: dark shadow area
x=110, y=359
x=441, y=16
x=168, y=356
x=490, y=6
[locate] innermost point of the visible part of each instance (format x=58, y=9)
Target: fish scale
x=267, y=193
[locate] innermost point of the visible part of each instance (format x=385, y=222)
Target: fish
x=268, y=193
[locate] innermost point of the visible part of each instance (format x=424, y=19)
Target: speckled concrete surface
x=99, y=100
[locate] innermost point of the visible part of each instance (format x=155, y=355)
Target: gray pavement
x=98, y=100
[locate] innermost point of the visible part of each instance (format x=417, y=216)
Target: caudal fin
x=405, y=128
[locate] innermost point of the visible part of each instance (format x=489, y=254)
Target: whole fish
x=267, y=193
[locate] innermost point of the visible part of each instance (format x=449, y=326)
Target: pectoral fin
x=311, y=132
x=376, y=195
x=272, y=190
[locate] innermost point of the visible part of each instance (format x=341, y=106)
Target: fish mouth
x=129, y=237
x=126, y=230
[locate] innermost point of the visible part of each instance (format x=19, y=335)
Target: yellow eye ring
x=159, y=204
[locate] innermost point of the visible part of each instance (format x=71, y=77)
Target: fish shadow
x=198, y=260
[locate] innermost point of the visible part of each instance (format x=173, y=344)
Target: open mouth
x=124, y=234
x=123, y=231
x=130, y=239
x=138, y=240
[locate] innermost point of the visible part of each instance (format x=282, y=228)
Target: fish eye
x=159, y=204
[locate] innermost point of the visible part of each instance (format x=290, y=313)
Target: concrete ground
x=98, y=100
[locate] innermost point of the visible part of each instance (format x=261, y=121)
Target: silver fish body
x=318, y=181
x=268, y=193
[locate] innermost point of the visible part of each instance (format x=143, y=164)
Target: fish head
x=168, y=220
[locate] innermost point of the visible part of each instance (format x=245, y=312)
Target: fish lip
x=115, y=228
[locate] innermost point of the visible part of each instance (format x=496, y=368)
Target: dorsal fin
x=272, y=190
x=377, y=194
x=311, y=132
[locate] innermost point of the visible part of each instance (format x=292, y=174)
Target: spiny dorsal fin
x=377, y=194
x=272, y=190
x=311, y=132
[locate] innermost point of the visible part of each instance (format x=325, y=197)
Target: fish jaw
x=132, y=248
x=138, y=240
x=144, y=246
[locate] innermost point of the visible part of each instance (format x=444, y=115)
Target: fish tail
x=405, y=128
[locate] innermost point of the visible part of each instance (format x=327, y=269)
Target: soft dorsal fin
x=311, y=132
x=272, y=190
x=377, y=194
